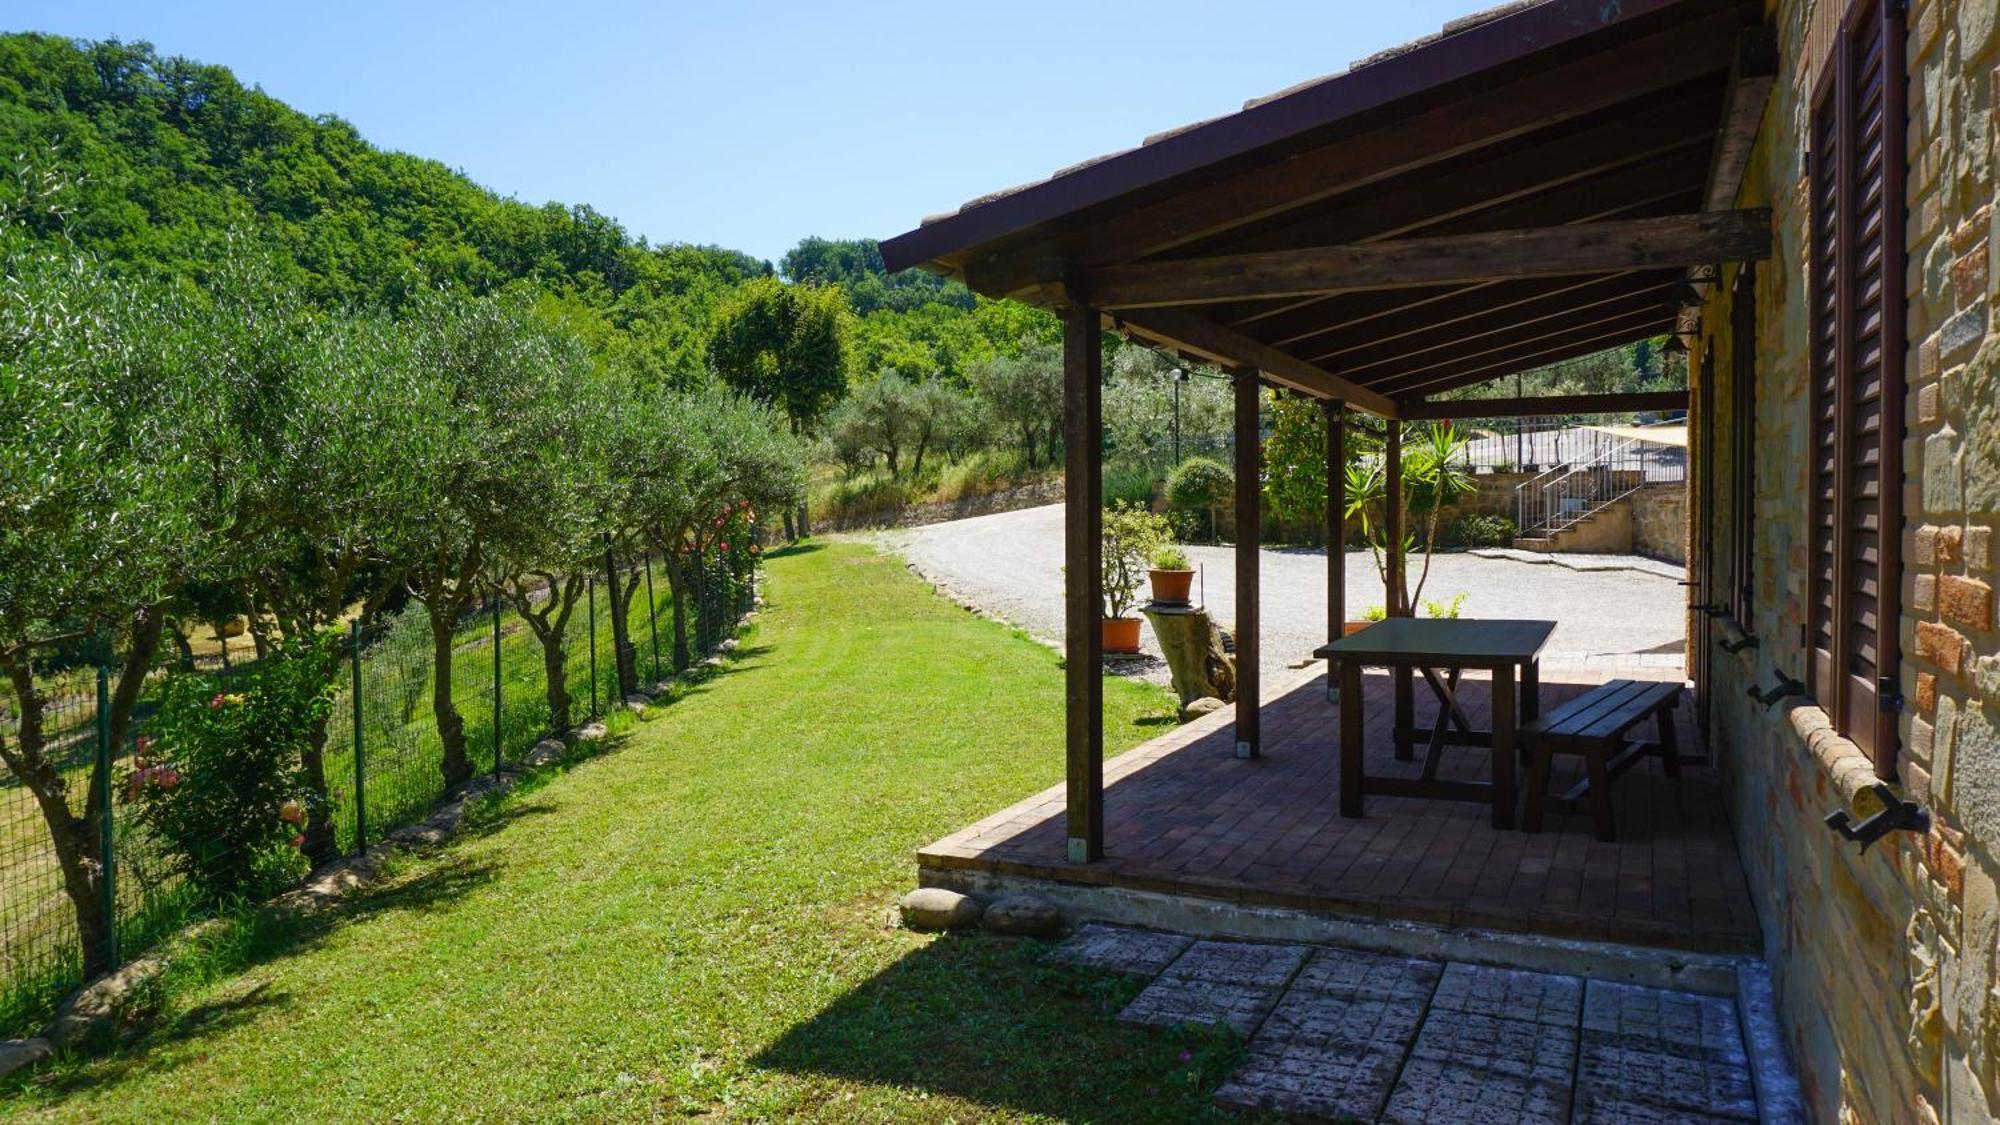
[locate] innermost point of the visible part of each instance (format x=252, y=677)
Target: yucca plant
x=1434, y=479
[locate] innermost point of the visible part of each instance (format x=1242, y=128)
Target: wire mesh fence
x=382, y=750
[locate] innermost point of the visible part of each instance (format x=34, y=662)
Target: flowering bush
x=222, y=788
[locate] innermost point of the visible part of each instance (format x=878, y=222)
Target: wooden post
x=1392, y=516
x=1336, y=538
x=1083, y=601
x=1249, y=511
x=1336, y=516
x=1393, y=596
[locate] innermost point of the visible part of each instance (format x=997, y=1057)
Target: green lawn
x=697, y=923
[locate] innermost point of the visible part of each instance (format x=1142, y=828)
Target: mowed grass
x=697, y=923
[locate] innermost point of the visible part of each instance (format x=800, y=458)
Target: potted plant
x=1369, y=617
x=1130, y=534
x=1171, y=574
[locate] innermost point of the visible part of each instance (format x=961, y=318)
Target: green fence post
x=652, y=617
x=496, y=682
x=590, y=590
x=360, y=759
x=107, y=841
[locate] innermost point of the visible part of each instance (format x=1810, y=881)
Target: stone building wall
x=1885, y=960
x=1659, y=522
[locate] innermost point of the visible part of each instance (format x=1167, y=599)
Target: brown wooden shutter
x=1857, y=378
x=1823, y=457
x=1743, y=444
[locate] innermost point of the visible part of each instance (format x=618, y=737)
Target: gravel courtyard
x=1010, y=564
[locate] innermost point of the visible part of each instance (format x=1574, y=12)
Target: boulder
x=934, y=908
x=98, y=1004
x=592, y=732
x=1206, y=705
x=1029, y=915
x=17, y=1053
x=546, y=751
x=638, y=701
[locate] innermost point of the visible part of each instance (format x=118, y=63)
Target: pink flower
x=143, y=743
x=215, y=703
x=299, y=841
x=725, y=544
x=169, y=777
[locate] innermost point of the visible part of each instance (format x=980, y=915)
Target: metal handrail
x=1571, y=493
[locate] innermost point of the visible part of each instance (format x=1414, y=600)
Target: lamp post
x=1177, y=377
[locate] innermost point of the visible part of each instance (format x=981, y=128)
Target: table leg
x=1503, y=747
x=1350, y=738
x=1531, y=699
x=1406, y=708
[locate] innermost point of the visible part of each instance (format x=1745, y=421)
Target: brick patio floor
x=1338, y=1034
x=1184, y=816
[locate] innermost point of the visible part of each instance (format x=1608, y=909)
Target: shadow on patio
x=1183, y=816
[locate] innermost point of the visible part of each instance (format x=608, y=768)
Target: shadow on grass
x=224, y=949
x=791, y=550
x=988, y=1019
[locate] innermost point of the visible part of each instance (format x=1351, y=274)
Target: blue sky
x=753, y=125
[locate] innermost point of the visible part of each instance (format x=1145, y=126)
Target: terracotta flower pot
x=1121, y=634
x=1353, y=627
x=1170, y=587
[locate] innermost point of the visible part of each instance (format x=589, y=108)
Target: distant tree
x=1024, y=396
x=786, y=345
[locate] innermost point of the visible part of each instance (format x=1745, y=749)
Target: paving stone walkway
x=1338, y=1034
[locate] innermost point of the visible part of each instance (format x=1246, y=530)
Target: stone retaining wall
x=1660, y=522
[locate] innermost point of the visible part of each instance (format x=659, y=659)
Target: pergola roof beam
x=1684, y=240
x=1183, y=330
x=1547, y=405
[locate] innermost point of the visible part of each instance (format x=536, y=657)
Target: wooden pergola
x=1534, y=184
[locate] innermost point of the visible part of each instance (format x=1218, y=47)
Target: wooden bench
x=1594, y=725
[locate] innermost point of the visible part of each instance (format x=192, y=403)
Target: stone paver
x=1339, y=1034
x=1479, y=1068
x=1510, y=994
x=1671, y=1050
x=1239, y=962
x=1120, y=949
x=1432, y=1091
x=1368, y=975
x=1170, y=1002
x=1218, y=983
x=1308, y=1083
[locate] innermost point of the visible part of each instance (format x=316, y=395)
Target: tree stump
x=1193, y=648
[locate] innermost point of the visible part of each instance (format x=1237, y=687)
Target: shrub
x=1129, y=483
x=224, y=792
x=1171, y=556
x=1200, y=484
x=1481, y=531
x=1448, y=609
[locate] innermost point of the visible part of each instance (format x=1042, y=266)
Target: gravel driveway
x=1010, y=564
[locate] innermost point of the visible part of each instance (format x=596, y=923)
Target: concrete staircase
x=1606, y=530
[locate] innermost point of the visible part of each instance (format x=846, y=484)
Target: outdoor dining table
x=1439, y=649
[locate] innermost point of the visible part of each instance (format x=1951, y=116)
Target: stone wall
x=1885, y=959
x=1659, y=522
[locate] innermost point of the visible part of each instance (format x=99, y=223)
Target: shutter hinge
x=1887, y=697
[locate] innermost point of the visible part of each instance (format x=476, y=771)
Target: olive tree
x=99, y=518
x=483, y=446
x=544, y=571
x=316, y=426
